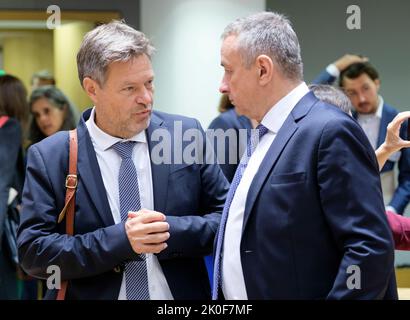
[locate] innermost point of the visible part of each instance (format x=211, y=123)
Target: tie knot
x=124, y=149
x=262, y=130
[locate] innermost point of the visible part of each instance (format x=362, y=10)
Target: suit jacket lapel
x=160, y=172
x=384, y=121
x=283, y=136
x=90, y=174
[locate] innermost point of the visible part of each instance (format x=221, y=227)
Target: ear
x=91, y=88
x=264, y=65
x=377, y=83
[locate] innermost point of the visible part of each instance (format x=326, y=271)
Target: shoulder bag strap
x=71, y=186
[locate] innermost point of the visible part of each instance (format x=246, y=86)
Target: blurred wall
x=27, y=51
x=383, y=37
x=129, y=9
x=67, y=41
x=187, y=67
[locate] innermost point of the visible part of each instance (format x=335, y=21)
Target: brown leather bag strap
x=71, y=186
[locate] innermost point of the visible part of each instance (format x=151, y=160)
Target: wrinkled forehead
x=136, y=69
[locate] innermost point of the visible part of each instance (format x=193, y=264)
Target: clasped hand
x=147, y=231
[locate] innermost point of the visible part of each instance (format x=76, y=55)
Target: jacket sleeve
x=324, y=78
x=352, y=202
x=400, y=227
x=42, y=243
x=193, y=235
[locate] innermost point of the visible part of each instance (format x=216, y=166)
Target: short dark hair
x=355, y=70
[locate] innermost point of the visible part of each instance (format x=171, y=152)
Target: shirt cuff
x=390, y=208
x=333, y=70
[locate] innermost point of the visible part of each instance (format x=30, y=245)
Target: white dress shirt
x=370, y=124
x=109, y=162
x=233, y=283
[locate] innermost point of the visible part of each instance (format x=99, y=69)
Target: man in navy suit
x=299, y=221
x=172, y=208
x=361, y=83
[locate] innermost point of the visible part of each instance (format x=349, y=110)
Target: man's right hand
x=147, y=231
x=348, y=59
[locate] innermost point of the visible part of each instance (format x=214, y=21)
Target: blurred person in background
x=52, y=112
x=42, y=78
x=13, y=119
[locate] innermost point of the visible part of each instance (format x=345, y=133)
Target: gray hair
x=270, y=34
x=43, y=75
x=107, y=43
x=333, y=96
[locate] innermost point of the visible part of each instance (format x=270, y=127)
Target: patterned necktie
x=136, y=278
x=250, y=148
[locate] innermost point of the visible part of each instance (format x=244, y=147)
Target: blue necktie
x=136, y=278
x=250, y=148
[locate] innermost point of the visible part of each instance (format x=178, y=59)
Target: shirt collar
x=277, y=115
x=380, y=108
x=377, y=114
x=105, y=141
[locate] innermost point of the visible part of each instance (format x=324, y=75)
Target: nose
x=145, y=98
x=41, y=118
x=362, y=98
x=223, y=87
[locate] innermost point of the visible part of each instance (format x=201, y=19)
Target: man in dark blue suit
x=143, y=221
x=361, y=83
x=304, y=216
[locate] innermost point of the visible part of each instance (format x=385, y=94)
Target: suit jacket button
x=117, y=269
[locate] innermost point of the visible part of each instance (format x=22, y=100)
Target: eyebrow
x=127, y=83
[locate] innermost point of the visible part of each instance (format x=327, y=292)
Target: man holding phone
x=361, y=83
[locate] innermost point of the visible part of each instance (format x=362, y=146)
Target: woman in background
x=52, y=112
x=13, y=118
